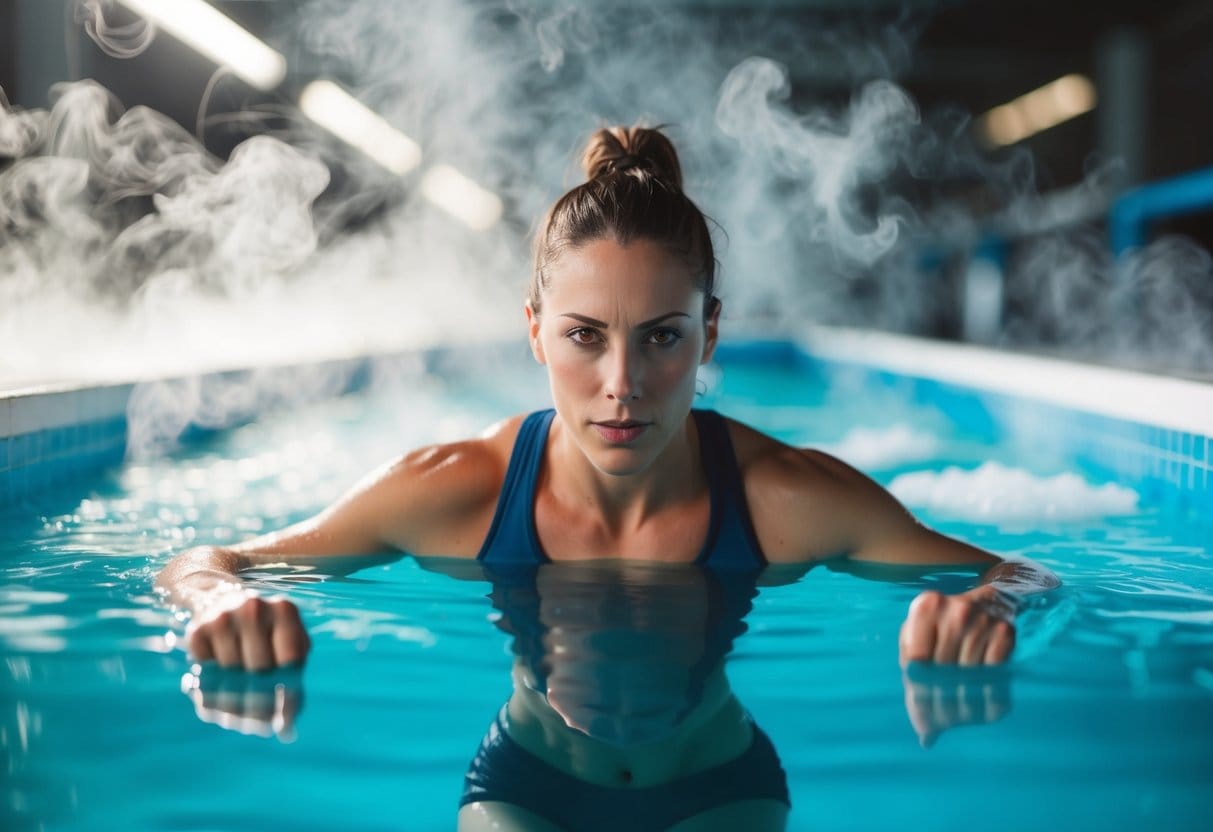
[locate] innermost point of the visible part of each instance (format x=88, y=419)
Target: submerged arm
x=431, y=500
x=231, y=623
x=970, y=628
x=404, y=506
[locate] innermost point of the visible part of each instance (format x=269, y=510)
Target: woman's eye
x=583, y=336
x=664, y=337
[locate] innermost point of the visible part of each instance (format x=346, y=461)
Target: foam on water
x=995, y=493
x=874, y=449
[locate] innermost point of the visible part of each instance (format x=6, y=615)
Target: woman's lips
x=620, y=433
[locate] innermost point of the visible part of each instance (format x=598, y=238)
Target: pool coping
x=1160, y=401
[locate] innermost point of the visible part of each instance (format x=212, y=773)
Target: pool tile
x=36, y=474
x=105, y=403
x=20, y=450
x=60, y=441
x=34, y=412
x=31, y=448
x=20, y=482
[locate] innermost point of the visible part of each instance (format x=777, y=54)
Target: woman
x=622, y=311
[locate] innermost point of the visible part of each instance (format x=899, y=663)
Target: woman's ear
x=711, y=328
x=532, y=322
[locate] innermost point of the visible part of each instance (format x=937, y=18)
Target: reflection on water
x=622, y=715
x=256, y=704
x=939, y=698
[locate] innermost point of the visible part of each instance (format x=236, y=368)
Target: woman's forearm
x=231, y=624
x=198, y=578
x=1015, y=579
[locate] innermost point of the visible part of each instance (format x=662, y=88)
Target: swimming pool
x=1103, y=719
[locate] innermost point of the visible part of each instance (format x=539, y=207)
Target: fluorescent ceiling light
x=356, y=124
x=202, y=27
x=460, y=197
x=353, y=122
x=1059, y=101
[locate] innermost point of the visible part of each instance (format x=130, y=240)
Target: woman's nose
x=623, y=375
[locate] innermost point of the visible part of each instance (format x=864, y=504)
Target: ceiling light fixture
x=1048, y=106
x=462, y=198
x=353, y=122
x=205, y=29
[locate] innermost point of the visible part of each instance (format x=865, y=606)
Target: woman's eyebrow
x=588, y=321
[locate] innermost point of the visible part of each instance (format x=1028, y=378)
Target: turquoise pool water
x=1103, y=720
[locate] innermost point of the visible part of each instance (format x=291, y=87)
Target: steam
x=129, y=253
x=833, y=158
x=126, y=251
x=994, y=493
x=1153, y=308
x=118, y=41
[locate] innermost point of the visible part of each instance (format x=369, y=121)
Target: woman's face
x=622, y=333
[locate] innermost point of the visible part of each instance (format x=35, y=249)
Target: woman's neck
x=625, y=502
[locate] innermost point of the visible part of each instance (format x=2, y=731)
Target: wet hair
x=633, y=190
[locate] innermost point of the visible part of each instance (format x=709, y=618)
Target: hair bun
x=622, y=149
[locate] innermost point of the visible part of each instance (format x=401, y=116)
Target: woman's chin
x=621, y=462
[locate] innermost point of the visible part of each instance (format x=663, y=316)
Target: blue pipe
x=1130, y=214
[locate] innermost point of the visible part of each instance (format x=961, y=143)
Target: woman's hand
x=973, y=628
x=240, y=629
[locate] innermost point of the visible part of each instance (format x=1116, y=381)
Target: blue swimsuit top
x=730, y=544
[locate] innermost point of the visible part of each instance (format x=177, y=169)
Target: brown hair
x=633, y=190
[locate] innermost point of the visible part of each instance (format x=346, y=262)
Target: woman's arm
x=432, y=500
x=230, y=623
x=808, y=505
x=971, y=628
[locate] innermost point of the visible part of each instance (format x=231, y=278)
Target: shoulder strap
x=512, y=537
x=731, y=542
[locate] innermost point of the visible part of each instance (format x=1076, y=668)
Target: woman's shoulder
x=441, y=494
x=468, y=467
x=803, y=502
x=765, y=458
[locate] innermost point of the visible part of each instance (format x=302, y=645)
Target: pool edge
x=1153, y=428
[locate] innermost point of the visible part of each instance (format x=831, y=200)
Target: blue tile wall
x=54, y=437
x=31, y=462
